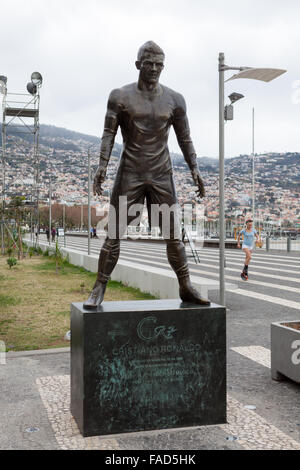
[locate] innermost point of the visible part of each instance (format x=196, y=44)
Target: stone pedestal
x=141, y=365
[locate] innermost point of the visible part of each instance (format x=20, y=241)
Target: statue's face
x=150, y=67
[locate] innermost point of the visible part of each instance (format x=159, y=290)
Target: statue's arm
x=111, y=124
x=182, y=131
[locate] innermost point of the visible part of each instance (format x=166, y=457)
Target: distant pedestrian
x=249, y=233
x=48, y=233
x=94, y=232
x=53, y=233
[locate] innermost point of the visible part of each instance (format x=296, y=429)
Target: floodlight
x=31, y=88
x=3, y=81
x=37, y=78
x=234, y=97
x=263, y=74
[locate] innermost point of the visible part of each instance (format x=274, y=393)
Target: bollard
x=267, y=243
x=2, y=353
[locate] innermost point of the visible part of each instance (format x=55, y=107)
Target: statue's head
x=150, y=61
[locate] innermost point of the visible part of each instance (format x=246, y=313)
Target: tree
x=17, y=210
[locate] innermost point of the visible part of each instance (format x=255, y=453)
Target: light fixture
x=31, y=88
x=37, y=78
x=263, y=74
x=228, y=110
x=3, y=82
x=234, y=97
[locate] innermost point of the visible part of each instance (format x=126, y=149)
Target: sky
x=86, y=49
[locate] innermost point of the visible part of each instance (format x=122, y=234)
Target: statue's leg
x=108, y=259
x=177, y=258
x=163, y=192
x=125, y=185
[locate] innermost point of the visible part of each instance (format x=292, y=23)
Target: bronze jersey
x=145, y=119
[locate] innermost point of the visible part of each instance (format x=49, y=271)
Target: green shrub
x=11, y=262
x=58, y=257
x=31, y=251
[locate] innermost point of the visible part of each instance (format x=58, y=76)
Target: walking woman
x=249, y=233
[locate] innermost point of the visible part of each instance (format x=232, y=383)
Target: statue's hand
x=198, y=182
x=99, y=180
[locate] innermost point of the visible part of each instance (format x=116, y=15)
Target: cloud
x=85, y=49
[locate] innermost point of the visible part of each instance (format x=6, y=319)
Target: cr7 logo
x=147, y=329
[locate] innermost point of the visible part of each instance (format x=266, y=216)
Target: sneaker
x=244, y=276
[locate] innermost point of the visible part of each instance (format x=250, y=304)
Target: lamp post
x=262, y=74
x=221, y=180
x=64, y=222
x=50, y=209
x=89, y=202
x=253, y=171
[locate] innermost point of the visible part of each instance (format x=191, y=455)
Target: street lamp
x=253, y=172
x=50, y=208
x=3, y=82
x=37, y=79
x=262, y=74
x=36, y=82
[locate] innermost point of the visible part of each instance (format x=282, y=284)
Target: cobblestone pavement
x=262, y=413
x=251, y=430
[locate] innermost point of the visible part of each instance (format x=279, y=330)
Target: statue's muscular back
x=145, y=120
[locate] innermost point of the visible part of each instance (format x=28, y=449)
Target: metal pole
x=37, y=163
x=64, y=223
x=253, y=171
x=31, y=226
x=3, y=177
x=221, y=181
x=50, y=215
x=89, y=202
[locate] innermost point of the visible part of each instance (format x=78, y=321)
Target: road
x=273, y=277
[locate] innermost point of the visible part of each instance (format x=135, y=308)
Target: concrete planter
x=285, y=350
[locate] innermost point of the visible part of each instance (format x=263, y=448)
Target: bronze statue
x=145, y=111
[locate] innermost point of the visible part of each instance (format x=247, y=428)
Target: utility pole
x=3, y=187
x=31, y=227
x=253, y=171
x=50, y=212
x=89, y=202
x=64, y=223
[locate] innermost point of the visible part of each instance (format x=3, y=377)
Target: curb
x=37, y=352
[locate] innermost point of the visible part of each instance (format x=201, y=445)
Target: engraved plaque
x=147, y=365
